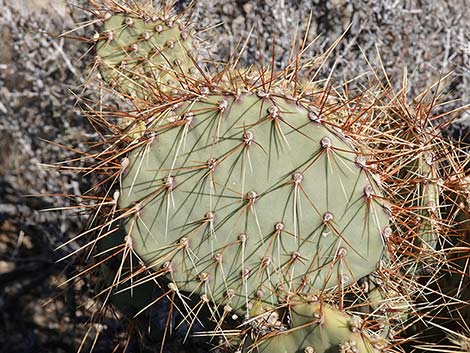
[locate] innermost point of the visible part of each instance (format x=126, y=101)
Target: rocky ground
x=40, y=73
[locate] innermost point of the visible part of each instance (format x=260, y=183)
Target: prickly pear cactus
x=146, y=57
x=240, y=189
x=317, y=328
x=247, y=197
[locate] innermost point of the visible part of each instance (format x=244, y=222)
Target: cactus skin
x=145, y=58
x=244, y=197
x=316, y=328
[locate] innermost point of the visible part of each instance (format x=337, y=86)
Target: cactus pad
x=316, y=328
x=244, y=198
x=144, y=57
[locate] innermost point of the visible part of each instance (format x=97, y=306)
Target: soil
x=41, y=74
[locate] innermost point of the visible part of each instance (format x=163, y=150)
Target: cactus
x=239, y=190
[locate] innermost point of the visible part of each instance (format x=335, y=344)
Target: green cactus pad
x=145, y=57
x=316, y=328
x=421, y=195
x=246, y=198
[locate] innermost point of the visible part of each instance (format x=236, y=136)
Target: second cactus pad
x=144, y=57
x=243, y=199
x=317, y=328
